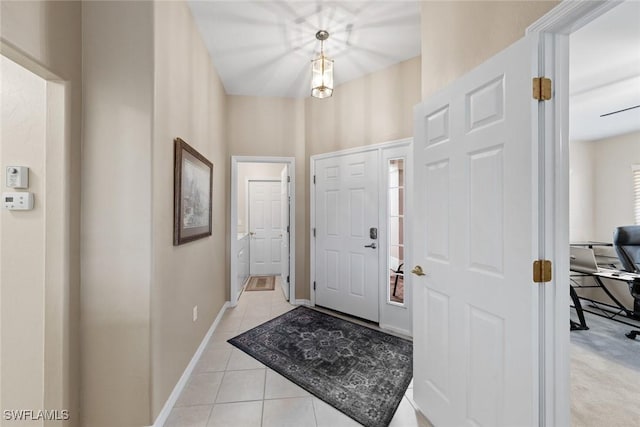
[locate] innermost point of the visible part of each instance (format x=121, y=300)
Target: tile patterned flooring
x=229, y=388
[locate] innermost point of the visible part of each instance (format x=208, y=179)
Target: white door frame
x=312, y=207
x=554, y=29
x=233, y=218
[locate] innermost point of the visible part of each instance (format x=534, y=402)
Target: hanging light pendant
x=322, y=71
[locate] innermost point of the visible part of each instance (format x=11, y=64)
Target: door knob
x=417, y=270
x=372, y=246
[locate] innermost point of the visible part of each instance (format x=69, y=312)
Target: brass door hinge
x=541, y=88
x=541, y=271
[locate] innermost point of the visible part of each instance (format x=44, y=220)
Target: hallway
x=229, y=388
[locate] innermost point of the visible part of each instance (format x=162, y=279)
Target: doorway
x=262, y=233
x=604, y=148
x=554, y=31
x=35, y=135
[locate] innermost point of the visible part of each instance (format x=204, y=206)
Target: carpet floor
x=359, y=371
x=605, y=375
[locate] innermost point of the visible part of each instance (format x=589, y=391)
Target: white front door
x=284, y=221
x=265, y=228
x=475, y=236
x=346, y=200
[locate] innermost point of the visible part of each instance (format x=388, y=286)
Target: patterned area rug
x=261, y=283
x=360, y=371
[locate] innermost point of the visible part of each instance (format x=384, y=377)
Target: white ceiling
x=264, y=48
x=605, y=74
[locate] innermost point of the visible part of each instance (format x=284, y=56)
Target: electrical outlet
x=195, y=313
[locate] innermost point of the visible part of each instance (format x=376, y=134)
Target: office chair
x=626, y=241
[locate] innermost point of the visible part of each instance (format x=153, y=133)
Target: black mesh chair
x=626, y=241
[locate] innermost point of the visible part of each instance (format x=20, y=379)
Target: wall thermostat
x=22, y=201
x=17, y=177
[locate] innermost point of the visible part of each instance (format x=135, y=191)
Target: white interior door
x=284, y=221
x=346, y=205
x=265, y=228
x=476, y=235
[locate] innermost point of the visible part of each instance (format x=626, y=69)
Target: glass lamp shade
x=321, y=77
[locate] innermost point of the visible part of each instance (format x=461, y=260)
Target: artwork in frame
x=192, y=189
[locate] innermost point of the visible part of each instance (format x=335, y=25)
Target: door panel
x=475, y=313
x=346, y=195
x=265, y=227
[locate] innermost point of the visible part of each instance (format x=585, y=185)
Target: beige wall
x=190, y=102
x=45, y=37
x=613, y=190
x=260, y=126
x=459, y=35
x=581, y=185
x=22, y=237
x=116, y=242
x=252, y=170
x=375, y=108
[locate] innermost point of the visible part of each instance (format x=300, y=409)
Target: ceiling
x=605, y=75
x=264, y=48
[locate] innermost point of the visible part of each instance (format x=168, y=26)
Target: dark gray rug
x=359, y=371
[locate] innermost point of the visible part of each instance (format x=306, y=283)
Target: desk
x=589, y=244
x=609, y=311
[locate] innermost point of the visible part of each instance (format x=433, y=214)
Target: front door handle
x=372, y=246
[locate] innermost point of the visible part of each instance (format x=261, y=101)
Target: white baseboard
x=302, y=302
x=182, y=382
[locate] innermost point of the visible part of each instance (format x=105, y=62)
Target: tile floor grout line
x=264, y=393
x=315, y=415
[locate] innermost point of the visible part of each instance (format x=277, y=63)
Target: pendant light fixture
x=322, y=71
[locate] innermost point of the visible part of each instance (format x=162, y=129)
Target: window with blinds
x=636, y=193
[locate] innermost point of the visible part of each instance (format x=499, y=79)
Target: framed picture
x=192, y=189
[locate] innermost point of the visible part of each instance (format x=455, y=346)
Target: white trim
x=304, y=302
x=364, y=149
x=182, y=382
x=233, y=218
x=553, y=30
x=571, y=15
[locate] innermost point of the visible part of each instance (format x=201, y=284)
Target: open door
x=476, y=235
x=285, y=199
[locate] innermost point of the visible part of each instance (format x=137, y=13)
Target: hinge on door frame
x=314, y=232
x=288, y=229
x=288, y=179
x=288, y=279
x=541, y=88
x=542, y=271
x=314, y=285
x=314, y=179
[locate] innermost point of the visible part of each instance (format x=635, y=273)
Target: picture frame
x=192, y=190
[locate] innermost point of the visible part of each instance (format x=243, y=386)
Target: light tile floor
x=230, y=388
